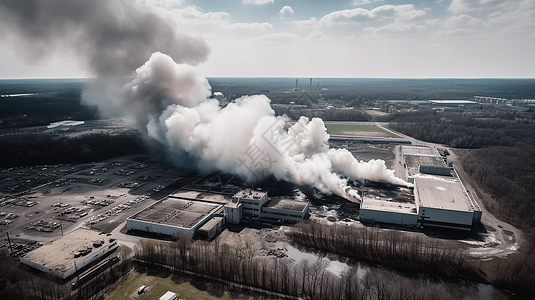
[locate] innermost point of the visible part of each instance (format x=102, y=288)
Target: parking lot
x=39, y=203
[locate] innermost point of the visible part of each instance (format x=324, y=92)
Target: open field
x=157, y=286
x=357, y=130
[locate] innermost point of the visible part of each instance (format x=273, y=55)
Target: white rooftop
x=390, y=206
x=420, y=151
x=59, y=254
x=168, y=296
x=442, y=192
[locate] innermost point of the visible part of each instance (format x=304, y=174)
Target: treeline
x=239, y=263
x=39, y=149
x=466, y=130
x=326, y=115
x=406, y=253
x=508, y=173
x=16, y=284
x=412, y=255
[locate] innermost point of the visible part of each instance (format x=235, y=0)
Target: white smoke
x=171, y=106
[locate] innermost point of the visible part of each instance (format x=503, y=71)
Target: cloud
x=522, y=16
x=461, y=21
x=286, y=10
x=257, y=2
x=458, y=6
x=249, y=26
x=162, y=3
x=310, y=23
x=279, y=37
x=316, y=34
x=192, y=12
x=394, y=28
x=361, y=2
x=361, y=15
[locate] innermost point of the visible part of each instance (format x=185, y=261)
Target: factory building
x=251, y=201
x=172, y=216
x=70, y=253
x=285, y=211
x=390, y=212
x=440, y=199
x=204, y=214
x=443, y=202
x=255, y=205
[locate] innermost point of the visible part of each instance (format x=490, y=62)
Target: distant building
x=65, y=124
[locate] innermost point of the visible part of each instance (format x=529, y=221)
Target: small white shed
x=168, y=296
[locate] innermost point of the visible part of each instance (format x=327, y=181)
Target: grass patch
x=339, y=128
x=159, y=286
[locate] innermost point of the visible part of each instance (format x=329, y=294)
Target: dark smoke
x=109, y=37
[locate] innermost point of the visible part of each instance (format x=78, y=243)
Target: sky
x=336, y=38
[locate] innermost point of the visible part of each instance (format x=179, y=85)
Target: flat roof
x=202, y=196
x=379, y=204
x=441, y=192
x=177, y=212
x=210, y=224
x=453, y=101
x=285, y=204
x=250, y=194
x=415, y=161
x=59, y=254
x=422, y=151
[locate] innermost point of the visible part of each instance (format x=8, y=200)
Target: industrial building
x=204, y=214
x=390, y=212
x=69, y=253
x=172, y=216
x=255, y=205
x=439, y=197
x=417, y=160
x=444, y=202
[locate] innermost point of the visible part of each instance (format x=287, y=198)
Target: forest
x=307, y=280
x=467, y=130
x=40, y=149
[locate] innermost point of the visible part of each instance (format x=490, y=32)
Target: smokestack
x=296, y=84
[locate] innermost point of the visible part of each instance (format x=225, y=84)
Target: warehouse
x=285, y=210
x=69, y=253
x=444, y=202
x=204, y=213
x=439, y=197
x=173, y=216
x=391, y=212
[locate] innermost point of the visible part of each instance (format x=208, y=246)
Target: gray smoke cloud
x=109, y=37
x=171, y=107
x=169, y=101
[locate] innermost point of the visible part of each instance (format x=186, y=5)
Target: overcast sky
x=336, y=38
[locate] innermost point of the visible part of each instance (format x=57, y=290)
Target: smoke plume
x=171, y=107
x=109, y=37
x=170, y=103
